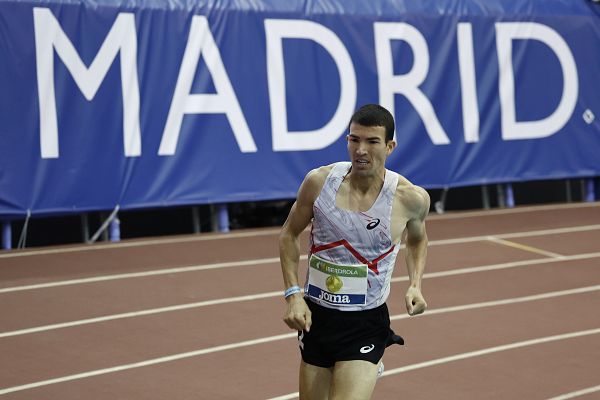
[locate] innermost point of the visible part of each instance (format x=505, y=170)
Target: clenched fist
x=415, y=302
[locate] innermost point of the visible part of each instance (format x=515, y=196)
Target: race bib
x=340, y=285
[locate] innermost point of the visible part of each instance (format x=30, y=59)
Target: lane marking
x=192, y=268
x=524, y=247
x=513, y=235
x=490, y=350
x=493, y=267
x=164, y=271
x=143, y=242
x=259, y=296
x=266, y=232
x=287, y=396
x=232, y=346
x=146, y=363
x=577, y=393
x=518, y=210
x=140, y=313
x=493, y=303
x=472, y=354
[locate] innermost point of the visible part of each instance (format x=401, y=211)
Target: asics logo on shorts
x=367, y=349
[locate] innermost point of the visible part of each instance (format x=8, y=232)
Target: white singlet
x=352, y=256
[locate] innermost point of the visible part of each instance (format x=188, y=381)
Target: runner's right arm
x=297, y=315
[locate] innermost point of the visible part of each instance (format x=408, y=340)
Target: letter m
x=122, y=38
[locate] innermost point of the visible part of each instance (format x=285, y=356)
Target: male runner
x=360, y=212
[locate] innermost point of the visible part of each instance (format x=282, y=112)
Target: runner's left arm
x=416, y=252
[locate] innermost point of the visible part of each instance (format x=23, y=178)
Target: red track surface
x=513, y=295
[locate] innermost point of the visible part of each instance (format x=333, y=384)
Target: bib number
x=340, y=285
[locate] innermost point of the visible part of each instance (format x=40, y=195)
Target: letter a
x=201, y=42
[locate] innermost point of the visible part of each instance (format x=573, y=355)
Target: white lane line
x=164, y=271
x=525, y=247
x=513, y=235
x=143, y=242
x=252, y=297
x=472, y=354
x=140, y=313
x=276, y=259
x=490, y=350
x=146, y=363
x=268, y=339
x=577, y=393
x=494, y=303
x=517, y=210
x=275, y=231
x=493, y=267
x=287, y=396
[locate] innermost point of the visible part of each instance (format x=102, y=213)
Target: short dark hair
x=375, y=115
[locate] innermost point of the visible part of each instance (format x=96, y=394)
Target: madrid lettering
x=121, y=40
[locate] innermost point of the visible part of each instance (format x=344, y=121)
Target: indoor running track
x=514, y=300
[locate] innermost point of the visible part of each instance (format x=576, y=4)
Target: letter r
x=406, y=84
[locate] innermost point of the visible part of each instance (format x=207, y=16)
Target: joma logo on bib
x=334, y=298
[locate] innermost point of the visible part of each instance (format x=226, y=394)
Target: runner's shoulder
x=316, y=177
x=414, y=198
x=314, y=181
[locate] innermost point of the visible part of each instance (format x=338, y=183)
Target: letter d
x=506, y=32
x=283, y=139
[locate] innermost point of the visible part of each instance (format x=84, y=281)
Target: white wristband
x=291, y=290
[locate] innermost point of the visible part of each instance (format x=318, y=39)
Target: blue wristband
x=291, y=290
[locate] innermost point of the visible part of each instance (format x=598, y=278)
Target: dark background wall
x=179, y=220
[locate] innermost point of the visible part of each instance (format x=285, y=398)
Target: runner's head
x=370, y=140
x=375, y=115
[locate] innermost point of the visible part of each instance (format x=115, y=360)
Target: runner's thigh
x=353, y=380
x=314, y=382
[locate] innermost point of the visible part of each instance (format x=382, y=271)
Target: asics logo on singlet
x=373, y=223
x=367, y=349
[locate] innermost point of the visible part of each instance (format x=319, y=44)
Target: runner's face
x=368, y=149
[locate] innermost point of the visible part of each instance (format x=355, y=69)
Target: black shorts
x=346, y=335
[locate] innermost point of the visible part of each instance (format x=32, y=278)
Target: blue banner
x=145, y=104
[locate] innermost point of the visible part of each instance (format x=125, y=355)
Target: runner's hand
x=297, y=314
x=415, y=302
